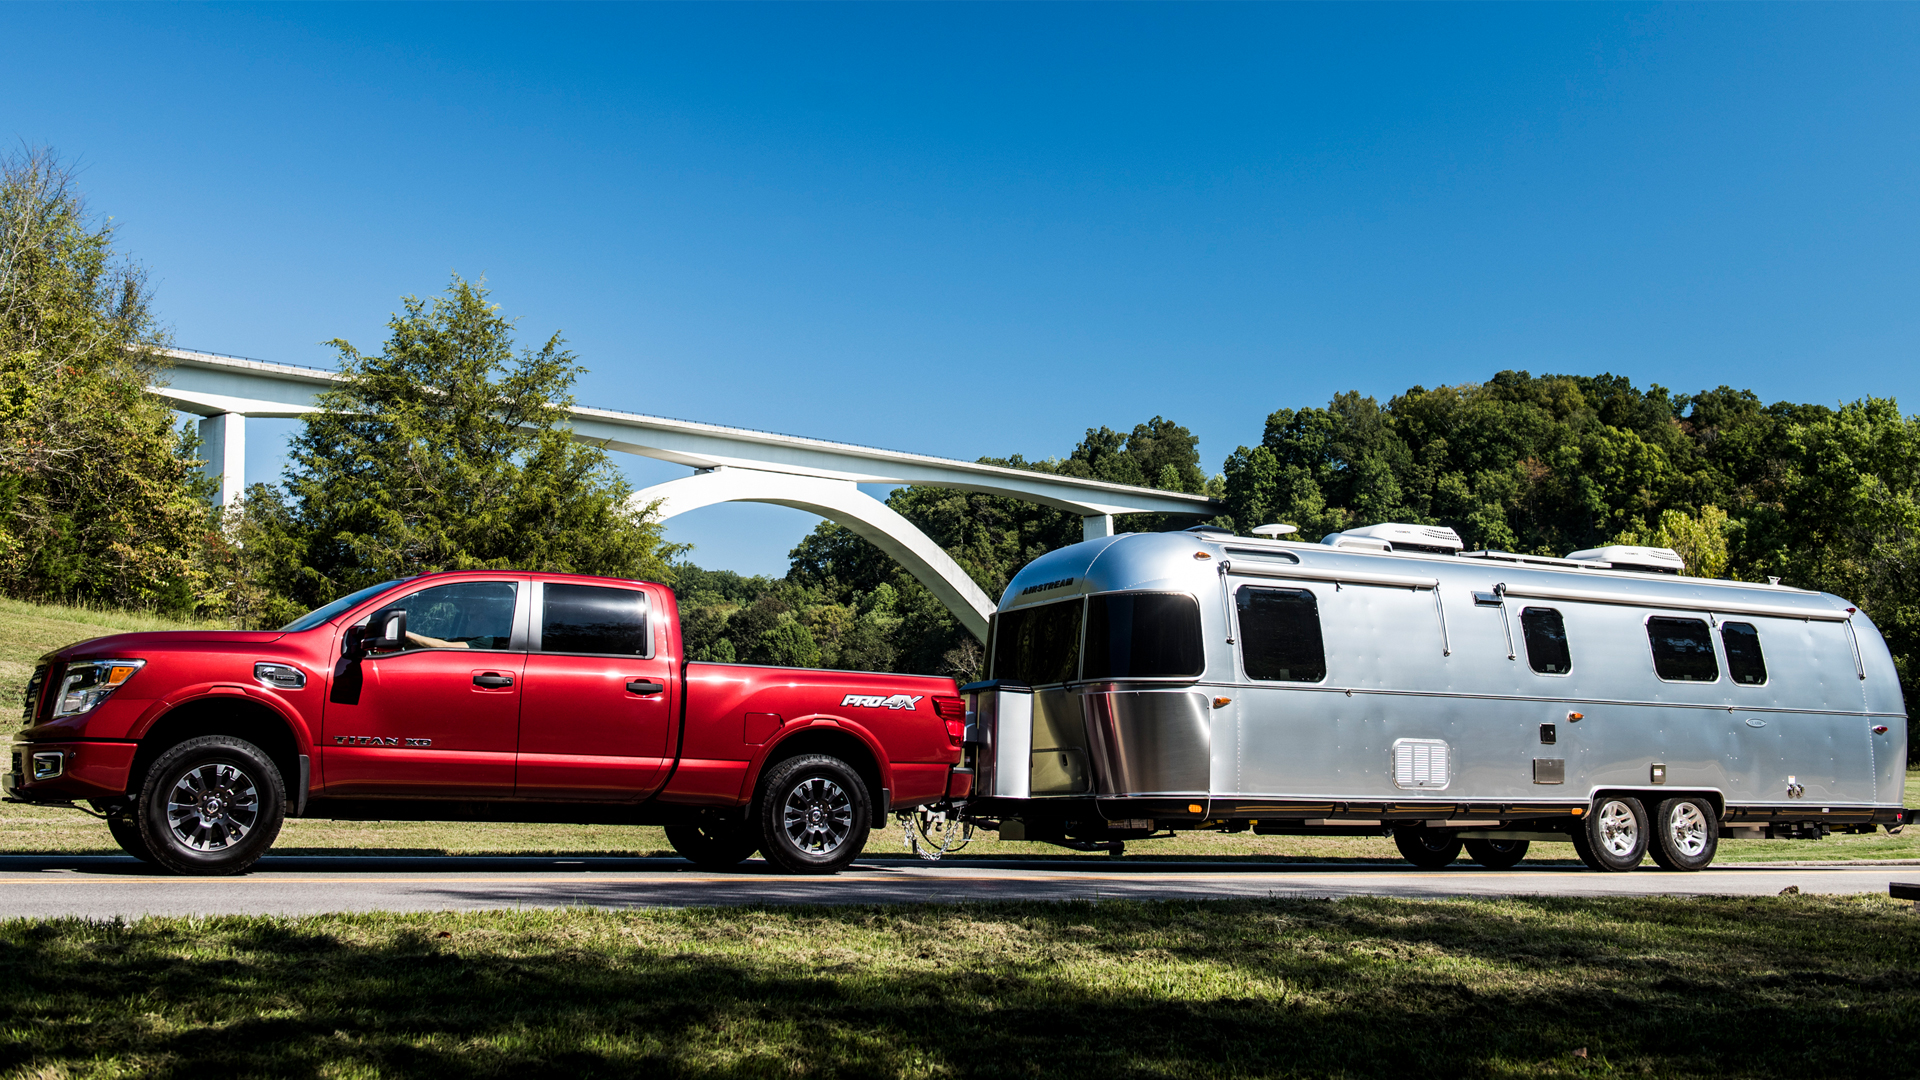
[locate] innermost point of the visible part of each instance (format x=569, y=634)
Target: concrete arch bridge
x=730, y=465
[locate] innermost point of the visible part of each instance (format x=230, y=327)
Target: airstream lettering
x=1384, y=681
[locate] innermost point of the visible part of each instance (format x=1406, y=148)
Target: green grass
x=1659, y=987
x=27, y=631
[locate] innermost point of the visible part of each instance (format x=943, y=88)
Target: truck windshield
x=1143, y=635
x=321, y=614
x=1038, y=645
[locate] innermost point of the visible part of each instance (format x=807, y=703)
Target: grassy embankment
x=1659, y=987
x=28, y=630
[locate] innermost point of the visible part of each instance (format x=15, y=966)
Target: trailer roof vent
x=1651, y=560
x=1393, y=536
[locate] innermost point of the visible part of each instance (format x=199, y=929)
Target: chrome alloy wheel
x=1619, y=831
x=817, y=816
x=212, y=807
x=1687, y=830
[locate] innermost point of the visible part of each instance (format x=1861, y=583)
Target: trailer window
x=1038, y=645
x=1280, y=634
x=1682, y=650
x=1546, y=633
x=593, y=619
x=1745, y=663
x=1143, y=635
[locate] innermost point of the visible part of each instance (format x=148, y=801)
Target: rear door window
x=1038, y=645
x=1546, y=634
x=1745, y=663
x=1682, y=649
x=1280, y=634
x=1143, y=635
x=593, y=619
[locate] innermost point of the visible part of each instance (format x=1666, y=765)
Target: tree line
x=448, y=448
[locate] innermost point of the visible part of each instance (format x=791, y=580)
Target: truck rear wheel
x=1685, y=834
x=714, y=845
x=126, y=832
x=1612, y=838
x=1497, y=854
x=211, y=805
x=814, y=815
x=1428, y=849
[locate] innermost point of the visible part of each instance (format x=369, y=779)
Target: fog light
x=48, y=764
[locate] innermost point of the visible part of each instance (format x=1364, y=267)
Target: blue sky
x=967, y=230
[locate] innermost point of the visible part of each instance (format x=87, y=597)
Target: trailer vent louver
x=1421, y=763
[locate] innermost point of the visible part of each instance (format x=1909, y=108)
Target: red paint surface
x=414, y=724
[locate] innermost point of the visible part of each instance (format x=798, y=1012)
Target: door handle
x=492, y=681
x=645, y=686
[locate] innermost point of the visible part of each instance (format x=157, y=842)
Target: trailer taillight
x=954, y=712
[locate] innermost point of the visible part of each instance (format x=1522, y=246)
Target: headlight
x=91, y=682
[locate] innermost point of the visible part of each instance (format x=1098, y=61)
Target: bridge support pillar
x=223, y=438
x=1095, y=526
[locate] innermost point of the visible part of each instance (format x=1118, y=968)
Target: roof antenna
x=1275, y=531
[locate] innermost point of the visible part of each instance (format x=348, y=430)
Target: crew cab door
x=597, y=718
x=440, y=717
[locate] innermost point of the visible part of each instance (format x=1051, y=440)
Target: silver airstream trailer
x=1385, y=682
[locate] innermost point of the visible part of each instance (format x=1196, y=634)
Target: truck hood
x=132, y=645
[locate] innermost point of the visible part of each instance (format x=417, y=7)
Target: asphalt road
x=103, y=886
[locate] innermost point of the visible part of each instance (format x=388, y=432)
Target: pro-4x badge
x=875, y=701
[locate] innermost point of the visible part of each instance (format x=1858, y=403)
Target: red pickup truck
x=481, y=696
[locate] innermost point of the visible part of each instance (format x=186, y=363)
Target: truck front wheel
x=814, y=815
x=714, y=845
x=211, y=805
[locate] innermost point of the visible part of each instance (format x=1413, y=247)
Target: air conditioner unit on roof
x=1398, y=537
x=1630, y=557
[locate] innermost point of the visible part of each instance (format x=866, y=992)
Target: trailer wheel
x=814, y=813
x=1428, y=849
x=126, y=832
x=1685, y=834
x=1612, y=838
x=714, y=845
x=211, y=805
x=1497, y=854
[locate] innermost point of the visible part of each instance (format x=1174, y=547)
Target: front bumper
x=79, y=770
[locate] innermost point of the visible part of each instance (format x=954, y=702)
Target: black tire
x=1612, y=837
x=210, y=806
x=1428, y=849
x=1686, y=833
x=814, y=815
x=126, y=832
x=714, y=845
x=1497, y=854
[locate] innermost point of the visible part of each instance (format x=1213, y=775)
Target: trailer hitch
x=933, y=832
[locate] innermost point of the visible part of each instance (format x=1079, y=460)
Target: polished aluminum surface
x=1432, y=647
x=1148, y=741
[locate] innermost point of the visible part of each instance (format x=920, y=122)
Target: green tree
x=449, y=450
x=101, y=499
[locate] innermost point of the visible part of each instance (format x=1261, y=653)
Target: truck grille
x=30, y=706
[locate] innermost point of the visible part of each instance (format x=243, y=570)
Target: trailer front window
x=1038, y=645
x=1143, y=636
x=1280, y=634
x=1547, y=651
x=1745, y=662
x=1682, y=650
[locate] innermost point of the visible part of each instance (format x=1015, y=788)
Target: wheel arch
x=1653, y=797
x=837, y=742
x=230, y=715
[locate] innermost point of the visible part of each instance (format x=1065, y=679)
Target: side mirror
x=386, y=630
